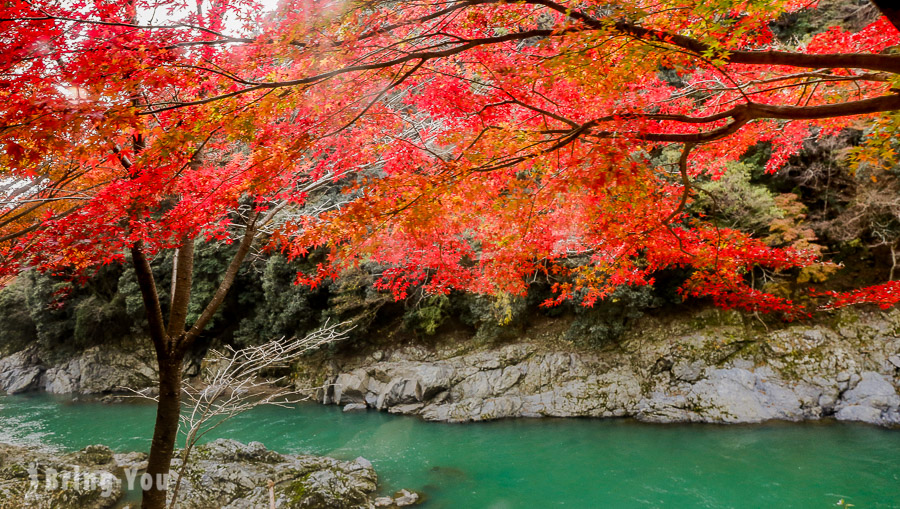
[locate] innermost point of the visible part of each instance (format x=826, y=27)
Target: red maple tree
x=485, y=142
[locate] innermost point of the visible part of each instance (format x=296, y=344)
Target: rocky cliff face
x=97, y=370
x=712, y=367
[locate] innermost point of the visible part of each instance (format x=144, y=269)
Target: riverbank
x=705, y=366
x=713, y=366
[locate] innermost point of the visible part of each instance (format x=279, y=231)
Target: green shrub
x=737, y=203
x=17, y=329
x=428, y=315
x=607, y=319
x=279, y=307
x=493, y=317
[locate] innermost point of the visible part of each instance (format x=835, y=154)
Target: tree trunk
x=171, y=346
x=165, y=432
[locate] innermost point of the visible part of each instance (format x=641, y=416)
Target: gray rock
x=874, y=400
x=399, y=392
x=726, y=395
x=433, y=378
x=688, y=371
x=874, y=389
x=95, y=370
x=826, y=402
x=131, y=460
x=355, y=407
x=20, y=372
x=228, y=474
x=405, y=498
x=104, y=369
x=24, y=380
x=409, y=408
x=715, y=370
x=363, y=463
x=43, y=480
x=859, y=413
x=350, y=387
x=60, y=381
x=895, y=360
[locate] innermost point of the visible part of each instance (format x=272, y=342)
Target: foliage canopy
x=479, y=144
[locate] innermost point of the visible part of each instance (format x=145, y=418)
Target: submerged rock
x=711, y=367
x=405, y=498
x=402, y=498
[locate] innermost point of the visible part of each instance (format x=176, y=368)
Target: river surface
x=578, y=463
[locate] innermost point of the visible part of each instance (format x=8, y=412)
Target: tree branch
x=227, y=280
x=744, y=113
x=685, y=181
x=182, y=275
x=875, y=62
x=151, y=300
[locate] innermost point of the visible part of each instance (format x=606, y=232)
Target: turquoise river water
x=535, y=463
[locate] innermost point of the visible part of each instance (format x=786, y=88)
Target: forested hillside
x=822, y=199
